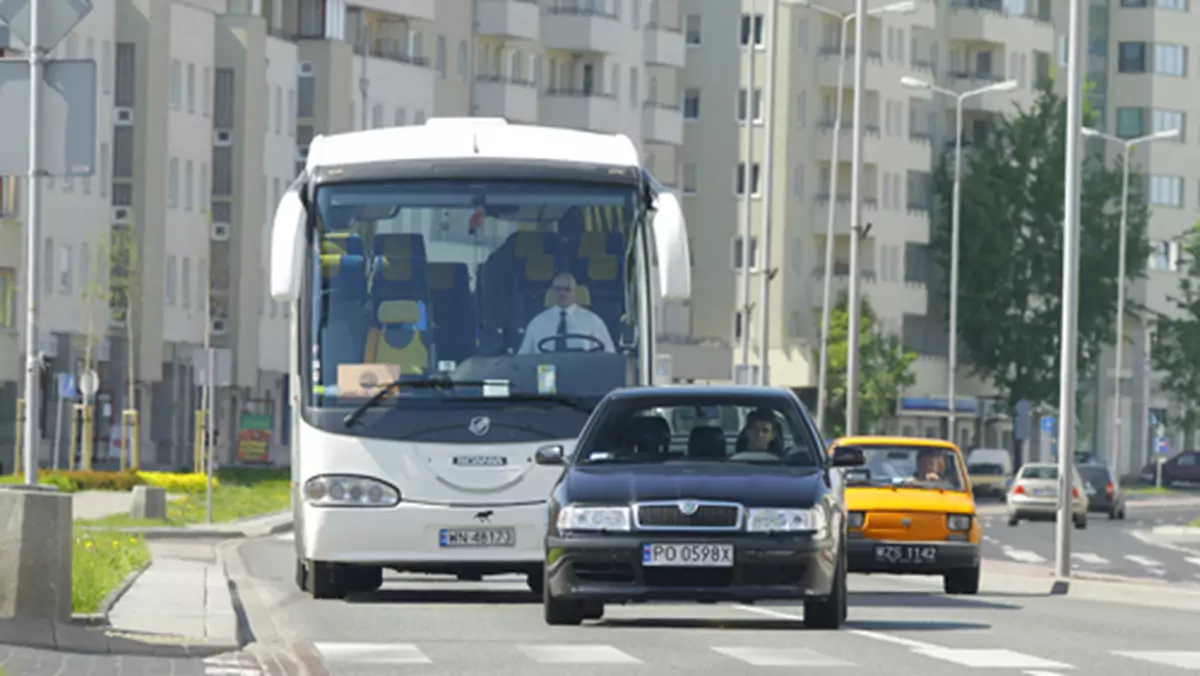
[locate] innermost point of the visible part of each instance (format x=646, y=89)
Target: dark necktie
x=560, y=344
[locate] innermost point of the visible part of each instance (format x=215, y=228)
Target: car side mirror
x=848, y=456
x=549, y=455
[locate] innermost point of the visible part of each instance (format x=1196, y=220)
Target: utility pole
x=746, y=258
x=33, y=234
x=856, y=226
x=764, y=274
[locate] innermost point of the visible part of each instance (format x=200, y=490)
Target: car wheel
x=364, y=579
x=326, y=580
x=535, y=582
x=965, y=581
x=1081, y=522
x=1013, y=520
x=593, y=610
x=560, y=612
x=829, y=612
x=1121, y=514
x=301, y=575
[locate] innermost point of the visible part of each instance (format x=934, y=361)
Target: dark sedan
x=709, y=494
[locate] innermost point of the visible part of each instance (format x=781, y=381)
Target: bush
x=172, y=482
x=79, y=480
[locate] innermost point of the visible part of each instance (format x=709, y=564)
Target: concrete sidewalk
x=99, y=504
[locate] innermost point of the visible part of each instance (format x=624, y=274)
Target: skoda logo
x=480, y=425
x=688, y=507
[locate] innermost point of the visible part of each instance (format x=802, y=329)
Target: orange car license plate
x=906, y=554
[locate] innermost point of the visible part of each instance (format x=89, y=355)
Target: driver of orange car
x=931, y=463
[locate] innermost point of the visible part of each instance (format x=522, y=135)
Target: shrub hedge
x=79, y=480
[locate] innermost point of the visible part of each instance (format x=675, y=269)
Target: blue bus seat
x=344, y=333
x=453, y=310
x=342, y=243
x=399, y=338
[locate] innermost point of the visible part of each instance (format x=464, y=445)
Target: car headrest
x=648, y=434
x=706, y=442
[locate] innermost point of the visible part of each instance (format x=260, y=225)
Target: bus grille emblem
x=480, y=425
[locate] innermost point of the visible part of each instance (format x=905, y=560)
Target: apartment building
x=206, y=109
x=957, y=44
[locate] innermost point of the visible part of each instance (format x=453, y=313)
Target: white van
x=990, y=470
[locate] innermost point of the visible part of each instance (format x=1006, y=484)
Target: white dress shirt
x=579, y=321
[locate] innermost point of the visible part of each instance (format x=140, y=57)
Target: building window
x=1170, y=59
x=1166, y=191
x=1162, y=256
x=1131, y=122
x=1132, y=57
x=688, y=177
x=1133, y=3
x=691, y=24
x=462, y=60
x=440, y=56
x=752, y=26
x=176, y=84
x=735, y=254
x=740, y=179
x=1175, y=5
x=170, y=278
x=756, y=105
x=1168, y=120
x=691, y=104
x=191, y=88
x=173, y=183
x=794, y=326
x=798, y=181
x=189, y=188
x=8, y=298
x=185, y=283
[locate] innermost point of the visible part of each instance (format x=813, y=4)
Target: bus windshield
x=499, y=289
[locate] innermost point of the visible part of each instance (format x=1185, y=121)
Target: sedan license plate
x=906, y=554
x=687, y=555
x=1044, y=492
x=478, y=537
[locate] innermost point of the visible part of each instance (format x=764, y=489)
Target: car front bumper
x=609, y=569
x=872, y=556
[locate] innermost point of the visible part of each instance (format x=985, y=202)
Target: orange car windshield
x=909, y=466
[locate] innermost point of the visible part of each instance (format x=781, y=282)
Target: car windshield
x=762, y=432
x=526, y=285
x=1095, y=476
x=1041, y=472
x=916, y=466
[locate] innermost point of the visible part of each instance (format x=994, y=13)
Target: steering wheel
x=598, y=345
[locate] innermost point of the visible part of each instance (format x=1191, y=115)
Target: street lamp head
x=1006, y=86
x=1091, y=133
x=906, y=7
x=1165, y=134
x=914, y=83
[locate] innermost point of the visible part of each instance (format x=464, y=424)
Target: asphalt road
x=437, y=627
x=1106, y=546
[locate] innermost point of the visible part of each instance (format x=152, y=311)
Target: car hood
x=900, y=499
x=750, y=485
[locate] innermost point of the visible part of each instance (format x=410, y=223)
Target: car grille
x=707, y=515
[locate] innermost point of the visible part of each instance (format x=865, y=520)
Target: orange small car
x=911, y=511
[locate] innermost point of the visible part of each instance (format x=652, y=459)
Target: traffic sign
x=1048, y=424
x=57, y=19
x=66, y=386
x=1162, y=445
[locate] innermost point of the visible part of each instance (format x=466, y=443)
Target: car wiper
x=436, y=382
x=570, y=402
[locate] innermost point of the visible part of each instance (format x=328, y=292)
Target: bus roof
x=472, y=137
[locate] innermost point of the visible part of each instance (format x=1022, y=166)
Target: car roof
x=882, y=440
x=701, y=393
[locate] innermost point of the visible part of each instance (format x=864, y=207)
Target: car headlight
x=574, y=517
x=339, y=490
x=766, y=520
x=856, y=519
x=958, y=522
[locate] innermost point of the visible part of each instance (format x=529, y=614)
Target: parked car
x=912, y=511
x=1034, y=495
x=1183, y=468
x=1103, y=491
x=699, y=507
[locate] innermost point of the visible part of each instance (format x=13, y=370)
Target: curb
x=100, y=617
x=65, y=637
x=206, y=533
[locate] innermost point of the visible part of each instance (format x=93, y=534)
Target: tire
x=831, y=611
x=1013, y=520
x=593, y=610
x=560, y=612
x=1113, y=514
x=1121, y=514
x=535, y=582
x=964, y=581
x=364, y=579
x=301, y=575
x=326, y=580
x=1081, y=522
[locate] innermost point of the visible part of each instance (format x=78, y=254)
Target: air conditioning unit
x=219, y=327
x=306, y=69
x=220, y=231
x=122, y=117
x=222, y=138
x=121, y=215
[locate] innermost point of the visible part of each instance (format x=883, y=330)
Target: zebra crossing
x=1151, y=565
x=379, y=655
x=232, y=665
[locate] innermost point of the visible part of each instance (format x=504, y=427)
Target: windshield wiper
x=435, y=382
x=569, y=402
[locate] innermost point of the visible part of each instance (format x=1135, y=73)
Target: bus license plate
x=478, y=537
x=688, y=555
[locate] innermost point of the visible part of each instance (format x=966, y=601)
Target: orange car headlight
x=855, y=519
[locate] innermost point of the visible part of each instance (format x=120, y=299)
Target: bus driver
x=562, y=319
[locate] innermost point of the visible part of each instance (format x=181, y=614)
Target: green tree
x=1010, y=274
x=1176, y=352
x=884, y=368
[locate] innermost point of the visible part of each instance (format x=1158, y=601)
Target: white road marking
x=878, y=636
x=1144, y=561
x=1184, y=659
x=1088, y=557
x=372, y=653
x=1041, y=673
x=1023, y=555
x=577, y=654
x=993, y=659
x=1193, y=560
x=286, y=537
x=782, y=657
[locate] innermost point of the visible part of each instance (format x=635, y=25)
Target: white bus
x=414, y=258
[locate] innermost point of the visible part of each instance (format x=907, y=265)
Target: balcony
x=829, y=57
x=580, y=30
x=662, y=123
x=664, y=46
x=988, y=21
x=576, y=109
x=421, y=10
x=512, y=19
x=514, y=100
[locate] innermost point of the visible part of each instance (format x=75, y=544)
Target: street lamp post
x=959, y=98
x=747, y=251
x=827, y=292
x=1126, y=149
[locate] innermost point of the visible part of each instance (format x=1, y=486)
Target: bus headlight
x=576, y=518
x=336, y=490
x=768, y=520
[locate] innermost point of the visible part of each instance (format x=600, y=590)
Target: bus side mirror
x=671, y=245
x=549, y=455
x=287, y=247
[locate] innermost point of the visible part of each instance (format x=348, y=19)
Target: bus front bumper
x=428, y=538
